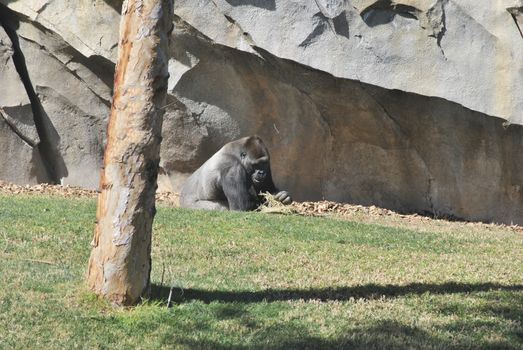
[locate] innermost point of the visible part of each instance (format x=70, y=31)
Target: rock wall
x=411, y=105
x=58, y=98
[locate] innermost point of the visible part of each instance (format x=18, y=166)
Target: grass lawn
x=261, y=281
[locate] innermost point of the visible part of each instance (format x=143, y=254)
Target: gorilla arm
x=240, y=194
x=268, y=186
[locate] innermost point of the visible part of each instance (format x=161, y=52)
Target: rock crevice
x=517, y=15
x=47, y=152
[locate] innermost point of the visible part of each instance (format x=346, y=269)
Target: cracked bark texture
x=120, y=262
x=411, y=105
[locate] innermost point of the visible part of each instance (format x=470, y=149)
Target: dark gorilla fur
x=233, y=178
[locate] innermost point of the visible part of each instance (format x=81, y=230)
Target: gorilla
x=233, y=178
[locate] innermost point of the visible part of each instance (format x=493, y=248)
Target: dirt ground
x=359, y=213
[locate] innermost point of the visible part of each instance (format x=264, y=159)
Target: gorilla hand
x=284, y=197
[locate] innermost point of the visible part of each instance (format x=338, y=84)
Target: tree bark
x=120, y=263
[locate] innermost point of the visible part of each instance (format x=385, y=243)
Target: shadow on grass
x=386, y=334
x=369, y=291
x=383, y=333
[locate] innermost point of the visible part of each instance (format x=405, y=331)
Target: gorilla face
x=257, y=168
x=258, y=177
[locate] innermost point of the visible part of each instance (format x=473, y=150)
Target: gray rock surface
x=346, y=140
x=466, y=51
x=70, y=97
x=18, y=135
x=412, y=105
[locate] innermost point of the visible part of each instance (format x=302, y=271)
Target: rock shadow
x=384, y=11
x=48, y=148
x=264, y=4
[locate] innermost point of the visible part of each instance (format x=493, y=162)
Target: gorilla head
x=233, y=178
x=255, y=159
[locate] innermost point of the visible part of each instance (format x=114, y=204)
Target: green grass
x=259, y=281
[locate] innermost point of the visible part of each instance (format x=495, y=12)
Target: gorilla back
x=233, y=178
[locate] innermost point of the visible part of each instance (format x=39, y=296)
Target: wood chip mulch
x=71, y=191
x=319, y=208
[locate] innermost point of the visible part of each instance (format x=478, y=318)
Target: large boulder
x=465, y=51
x=69, y=94
x=346, y=140
x=412, y=105
x=18, y=135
